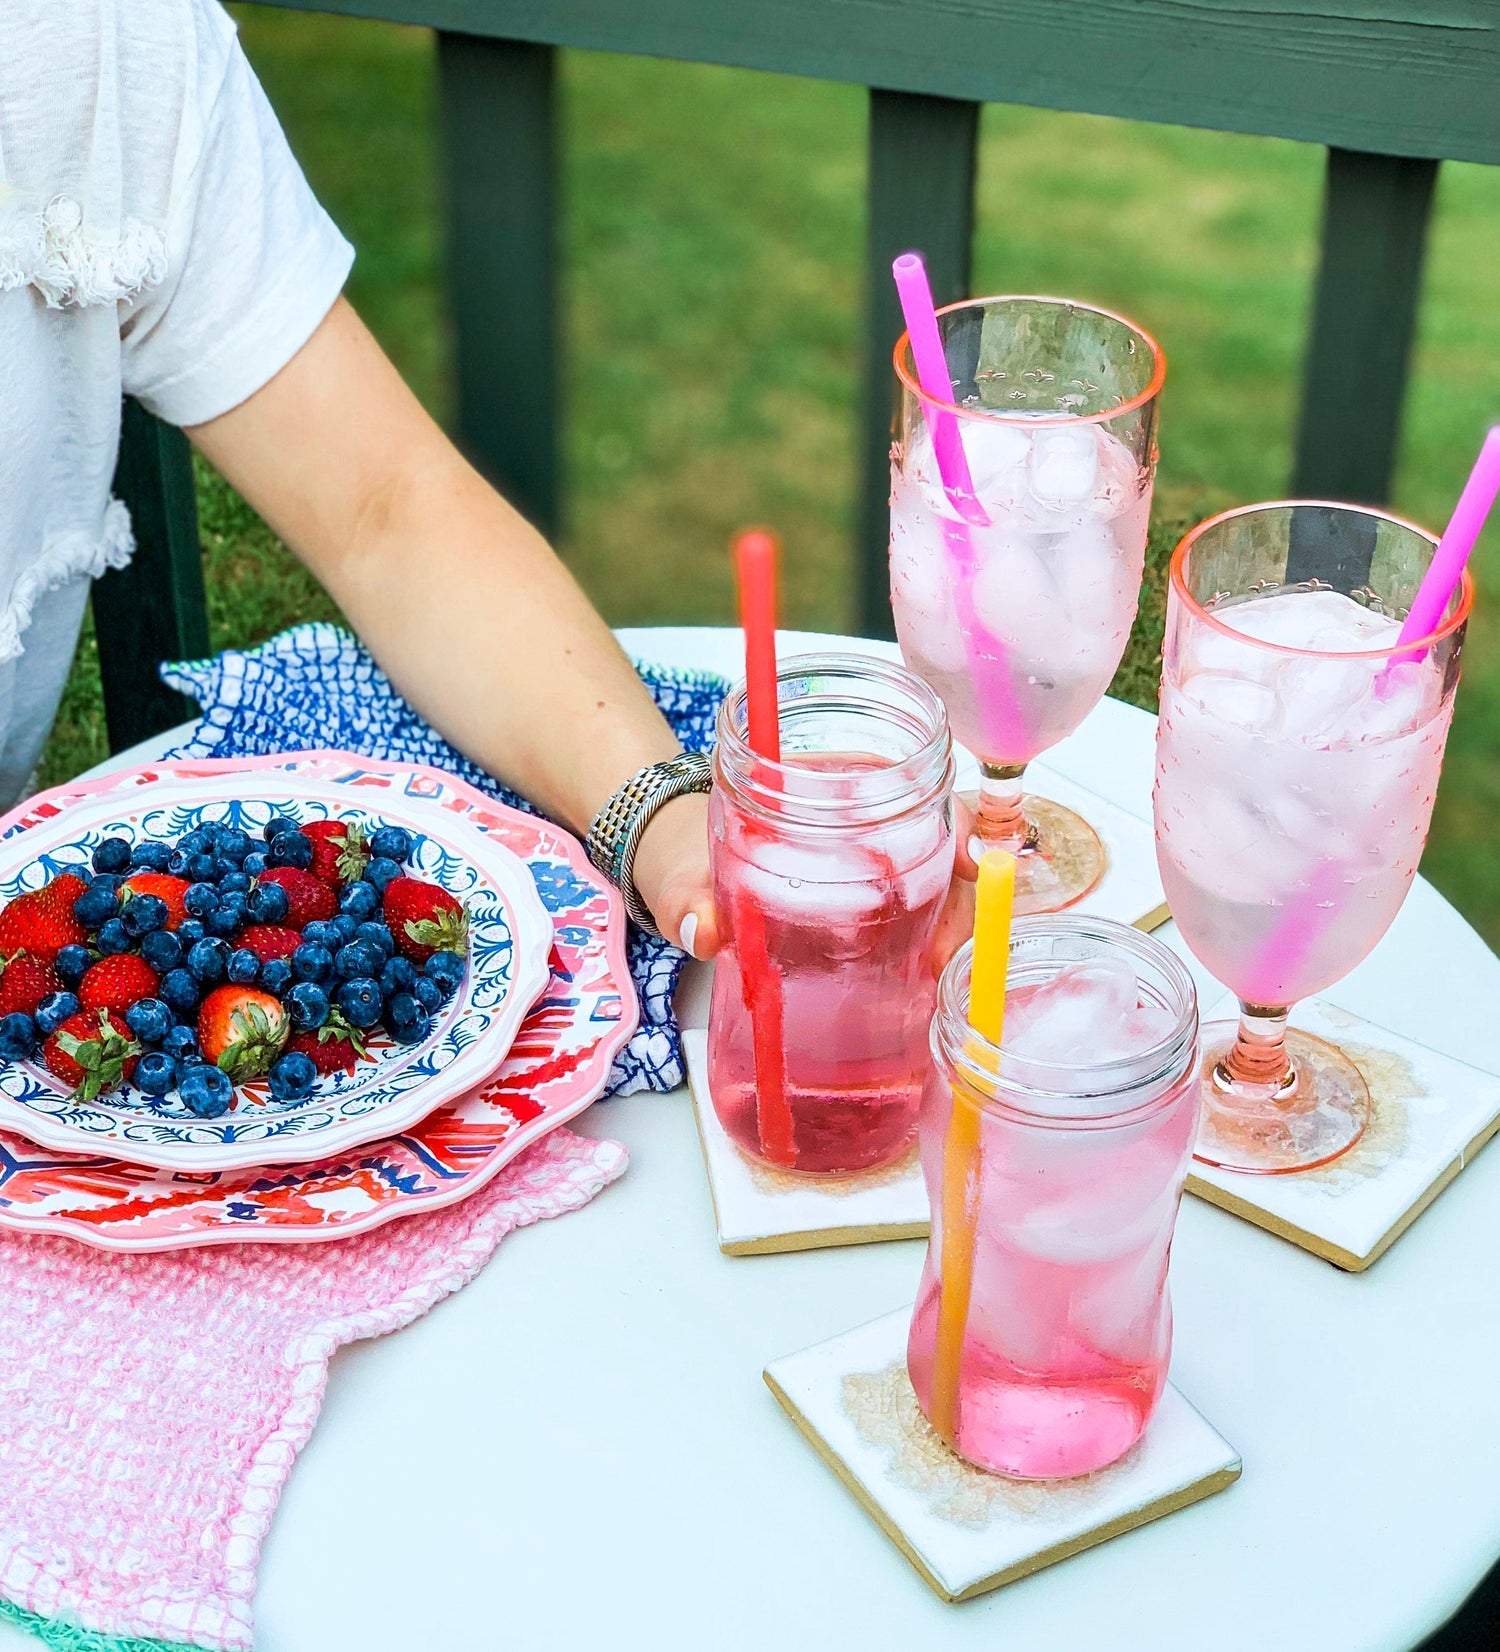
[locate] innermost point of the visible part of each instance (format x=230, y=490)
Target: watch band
x=617, y=828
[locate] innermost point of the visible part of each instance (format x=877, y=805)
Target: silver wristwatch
x=617, y=828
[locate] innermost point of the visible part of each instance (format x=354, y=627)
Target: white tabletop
x=578, y=1450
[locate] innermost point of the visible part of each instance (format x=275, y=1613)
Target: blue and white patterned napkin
x=316, y=686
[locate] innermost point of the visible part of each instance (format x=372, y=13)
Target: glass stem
x=1257, y=1063
x=1001, y=822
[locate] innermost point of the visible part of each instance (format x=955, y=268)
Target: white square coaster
x=760, y=1209
x=964, y=1530
x=1431, y=1115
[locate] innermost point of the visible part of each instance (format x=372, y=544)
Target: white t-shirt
x=157, y=239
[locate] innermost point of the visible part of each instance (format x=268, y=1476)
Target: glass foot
x=1060, y=860
x=1270, y=1130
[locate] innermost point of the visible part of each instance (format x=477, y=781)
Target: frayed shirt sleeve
x=254, y=263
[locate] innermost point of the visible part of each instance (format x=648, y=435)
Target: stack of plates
x=527, y=1042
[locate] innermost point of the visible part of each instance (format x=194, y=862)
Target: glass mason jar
x=830, y=871
x=1059, y=1326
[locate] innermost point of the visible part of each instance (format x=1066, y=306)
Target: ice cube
x=838, y=884
x=922, y=575
x=1097, y=589
x=1236, y=701
x=1076, y=1017
x=997, y=455
x=1017, y=600
x=1318, y=695
x=1064, y=465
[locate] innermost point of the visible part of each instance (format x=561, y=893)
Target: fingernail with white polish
x=976, y=848
x=689, y=934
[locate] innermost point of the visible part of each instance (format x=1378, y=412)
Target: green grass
x=712, y=234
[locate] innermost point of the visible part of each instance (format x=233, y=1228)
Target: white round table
x=578, y=1450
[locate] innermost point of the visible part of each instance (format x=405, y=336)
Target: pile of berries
x=197, y=966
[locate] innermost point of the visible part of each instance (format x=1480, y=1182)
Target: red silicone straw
x=757, y=552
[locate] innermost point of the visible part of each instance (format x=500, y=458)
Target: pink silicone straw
x=1452, y=553
x=932, y=374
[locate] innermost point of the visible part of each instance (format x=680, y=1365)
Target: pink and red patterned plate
x=558, y=1063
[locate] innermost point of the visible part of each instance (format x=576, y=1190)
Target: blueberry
x=17, y=1037
x=199, y=841
x=380, y=872
x=359, y=900
x=180, y=991
x=206, y=1091
x=225, y=923
x=427, y=994
x=311, y=962
x=181, y=1043
x=391, y=843
x=266, y=904
x=235, y=883
x=190, y=931
x=96, y=905
x=344, y=929
x=155, y=1073
x=53, y=1010
x=360, y=1001
x=150, y=856
x=71, y=962
x=201, y=899
x=307, y=1005
x=162, y=949
x=177, y=863
x=203, y=869
x=276, y=976
x=206, y=961
x=113, y=855
x=113, y=937
x=234, y=845
x=397, y=976
x=358, y=958
x=407, y=1019
x=254, y=863
x=276, y=825
x=322, y=933
x=292, y=1076
x=149, y=1019
x=378, y=934
x=291, y=849
x=142, y=914
x=243, y=967
x=446, y=969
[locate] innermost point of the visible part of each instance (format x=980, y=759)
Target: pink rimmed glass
x=830, y=872
x=1015, y=602
x=1294, y=789
x=1067, y=1327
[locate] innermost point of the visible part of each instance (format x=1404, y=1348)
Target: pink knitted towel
x=151, y=1407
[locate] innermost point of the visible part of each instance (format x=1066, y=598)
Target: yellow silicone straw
x=997, y=888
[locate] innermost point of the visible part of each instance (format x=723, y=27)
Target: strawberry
x=425, y=919
x=332, y=1048
x=340, y=853
x=268, y=941
x=24, y=983
x=90, y=1054
x=308, y=898
x=242, y=1030
x=169, y=888
x=117, y=982
x=41, y=921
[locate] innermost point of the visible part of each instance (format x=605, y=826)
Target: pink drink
x=1021, y=624
x=1292, y=798
x=830, y=874
x=1085, y=1139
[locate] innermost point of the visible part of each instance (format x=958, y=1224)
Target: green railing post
x=497, y=101
x=921, y=196
x=153, y=609
x=1364, y=315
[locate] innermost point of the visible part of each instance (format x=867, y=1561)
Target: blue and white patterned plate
x=510, y=938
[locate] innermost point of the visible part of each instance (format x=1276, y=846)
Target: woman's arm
x=463, y=603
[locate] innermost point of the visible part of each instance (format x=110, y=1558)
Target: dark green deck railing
x=1390, y=87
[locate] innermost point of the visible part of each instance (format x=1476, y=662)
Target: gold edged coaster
x=965, y=1531
x=759, y=1209
x=1431, y=1115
